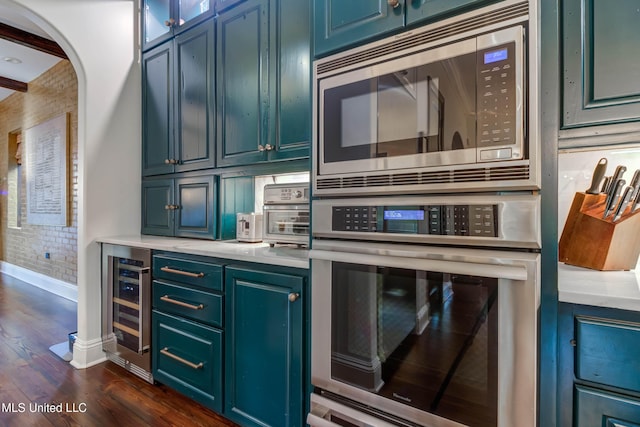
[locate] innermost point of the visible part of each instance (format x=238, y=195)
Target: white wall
x=100, y=38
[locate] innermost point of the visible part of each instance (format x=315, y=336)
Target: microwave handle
x=497, y=271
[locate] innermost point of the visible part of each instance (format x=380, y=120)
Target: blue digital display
x=404, y=215
x=495, y=56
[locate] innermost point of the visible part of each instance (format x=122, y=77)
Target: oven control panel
x=479, y=220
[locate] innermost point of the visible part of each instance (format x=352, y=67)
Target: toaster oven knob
x=297, y=194
x=293, y=296
x=394, y=3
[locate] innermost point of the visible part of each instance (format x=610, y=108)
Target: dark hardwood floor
x=35, y=383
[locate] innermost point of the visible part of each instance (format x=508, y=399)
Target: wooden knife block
x=589, y=241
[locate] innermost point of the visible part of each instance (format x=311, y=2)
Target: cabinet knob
x=393, y=3
x=293, y=296
x=269, y=147
x=170, y=22
x=170, y=161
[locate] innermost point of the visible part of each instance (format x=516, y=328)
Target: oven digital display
x=407, y=215
x=495, y=56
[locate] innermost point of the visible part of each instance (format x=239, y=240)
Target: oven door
x=436, y=336
x=457, y=104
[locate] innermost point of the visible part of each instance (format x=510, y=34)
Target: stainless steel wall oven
x=442, y=108
x=416, y=334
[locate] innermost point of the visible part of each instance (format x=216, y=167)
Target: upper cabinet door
x=601, y=67
x=157, y=21
x=157, y=110
x=342, y=23
x=422, y=10
x=225, y=4
x=291, y=75
x=242, y=80
x=163, y=19
x=194, y=102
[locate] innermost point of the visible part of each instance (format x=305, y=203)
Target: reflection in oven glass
x=425, y=339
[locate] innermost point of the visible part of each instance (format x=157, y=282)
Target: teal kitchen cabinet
x=226, y=4
x=263, y=82
x=178, y=103
x=599, y=365
x=181, y=207
x=187, y=326
x=163, y=19
x=264, y=347
x=601, y=71
x=340, y=24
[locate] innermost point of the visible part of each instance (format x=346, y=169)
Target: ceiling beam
x=32, y=41
x=13, y=84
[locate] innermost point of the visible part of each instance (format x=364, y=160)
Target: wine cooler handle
x=170, y=300
x=167, y=353
x=168, y=269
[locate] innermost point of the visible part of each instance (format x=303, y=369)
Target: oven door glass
x=426, y=339
x=287, y=222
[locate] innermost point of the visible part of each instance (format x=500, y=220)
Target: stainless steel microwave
x=426, y=112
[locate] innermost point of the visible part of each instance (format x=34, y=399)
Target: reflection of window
x=14, y=180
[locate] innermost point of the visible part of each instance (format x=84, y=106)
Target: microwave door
x=413, y=111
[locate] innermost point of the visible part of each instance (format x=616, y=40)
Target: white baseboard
x=87, y=353
x=55, y=286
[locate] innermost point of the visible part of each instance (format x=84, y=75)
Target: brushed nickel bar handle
x=168, y=299
x=167, y=353
x=183, y=273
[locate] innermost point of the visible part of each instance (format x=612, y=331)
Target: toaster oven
x=286, y=214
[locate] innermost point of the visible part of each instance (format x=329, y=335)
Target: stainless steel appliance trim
x=322, y=407
x=519, y=217
x=526, y=176
x=518, y=303
x=465, y=156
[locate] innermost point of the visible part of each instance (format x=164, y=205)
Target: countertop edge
x=609, y=289
x=261, y=253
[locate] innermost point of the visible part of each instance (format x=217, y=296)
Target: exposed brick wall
x=53, y=93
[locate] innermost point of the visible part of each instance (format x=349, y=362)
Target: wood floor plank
x=34, y=382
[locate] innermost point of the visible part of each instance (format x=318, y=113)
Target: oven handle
x=497, y=271
x=321, y=406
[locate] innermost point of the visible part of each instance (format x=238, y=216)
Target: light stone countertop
x=282, y=255
x=612, y=289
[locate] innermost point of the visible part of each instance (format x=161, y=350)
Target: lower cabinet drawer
x=187, y=302
x=608, y=352
x=188, y=357
x=597, y=408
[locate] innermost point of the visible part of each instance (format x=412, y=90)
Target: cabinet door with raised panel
x=195, y=207
x=291, y=76
x=601, y=82
x=194, y=100
x=157, y=110
x=339, y=24
x=242, y=81
x=157, y=199
x=264, y=348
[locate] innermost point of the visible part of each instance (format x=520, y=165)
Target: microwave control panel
x=496, y=96
x=443, y=220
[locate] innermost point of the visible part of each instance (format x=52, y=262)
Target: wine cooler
x=126, y=308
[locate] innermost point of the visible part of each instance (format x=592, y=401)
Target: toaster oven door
x=286, y=224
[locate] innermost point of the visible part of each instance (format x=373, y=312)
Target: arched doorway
x=101, y=42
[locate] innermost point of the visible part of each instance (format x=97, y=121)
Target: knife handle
x=598, y=174
x=605, y=184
